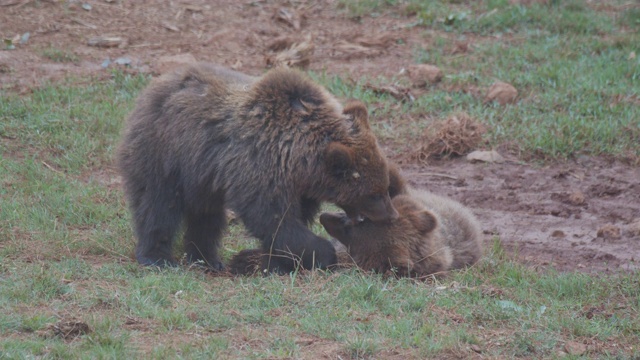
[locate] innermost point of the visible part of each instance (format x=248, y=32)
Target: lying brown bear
x=433, y=234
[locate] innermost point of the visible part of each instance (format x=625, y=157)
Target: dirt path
x=583, y=216
x=545, y=215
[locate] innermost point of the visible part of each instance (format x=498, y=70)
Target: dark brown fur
x=270, y=148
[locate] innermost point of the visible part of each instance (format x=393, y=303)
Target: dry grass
x=457, y=135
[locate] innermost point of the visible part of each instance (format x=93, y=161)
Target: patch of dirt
x=572, y=216
x=547, y=216
x=238, y=34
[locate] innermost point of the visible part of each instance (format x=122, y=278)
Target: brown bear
x=271, y=149
x=432, y=235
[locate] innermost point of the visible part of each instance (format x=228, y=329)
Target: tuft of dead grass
x=290, y=52
x=66, y=329
x=457, y=135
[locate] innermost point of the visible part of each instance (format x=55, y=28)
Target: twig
x=440, y=175
x=51, y=167
x=90, y=26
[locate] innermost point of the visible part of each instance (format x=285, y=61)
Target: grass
x=59, y=55
x=573, y=67
x=66, y=242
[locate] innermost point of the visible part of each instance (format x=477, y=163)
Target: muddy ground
x=583, y=215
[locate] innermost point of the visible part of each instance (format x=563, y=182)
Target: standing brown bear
x=432, y=234
x=270, y=148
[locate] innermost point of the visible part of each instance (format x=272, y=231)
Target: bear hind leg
x=202, y=238
x=156, y=223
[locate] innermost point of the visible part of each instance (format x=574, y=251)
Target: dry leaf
x=383, y=41
x=501, y=92
x=577, y=198
x=398, y=93
x=297, y=55
x=281, y=43
x=609, y=231
x=575, y=348
x=363, y=46
x=68, y=330
x=634, y=228
x=424, y=74
x=289, y=17
x=490, y=156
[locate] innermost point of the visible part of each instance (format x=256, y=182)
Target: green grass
x=577, y=82
x=59, y=55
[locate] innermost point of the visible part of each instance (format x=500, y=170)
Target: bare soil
x=572, y=216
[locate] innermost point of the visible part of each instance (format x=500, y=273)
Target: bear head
x=358, y=171
x=334, y=144
x=382, y=246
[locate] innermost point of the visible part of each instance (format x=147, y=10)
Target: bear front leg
x=293, y=245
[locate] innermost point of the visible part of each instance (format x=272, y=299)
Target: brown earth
x=573, y=216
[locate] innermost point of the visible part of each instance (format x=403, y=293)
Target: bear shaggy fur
x=271, y=149
x=433, y=234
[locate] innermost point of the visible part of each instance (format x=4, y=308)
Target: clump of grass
x=59, y=55
x=457, y=135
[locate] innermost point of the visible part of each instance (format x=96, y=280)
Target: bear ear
x=405, y=204
x=357, y=112
x=302, y=107
x=424, y=221
x=339, y=159
x=397, y=184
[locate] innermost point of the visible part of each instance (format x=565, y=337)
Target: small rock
x=501, y=92
x=87, y=6
x=609, y=231
x=576, y=198
x=424, y=74
x=24, y=38
x=558, y=234
x=491, y=156
x=123, y=61
x=105, y=64
x=476, y=348
x=575, y=348
x=167, y=63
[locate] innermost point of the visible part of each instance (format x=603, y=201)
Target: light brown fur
x=433, y=234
